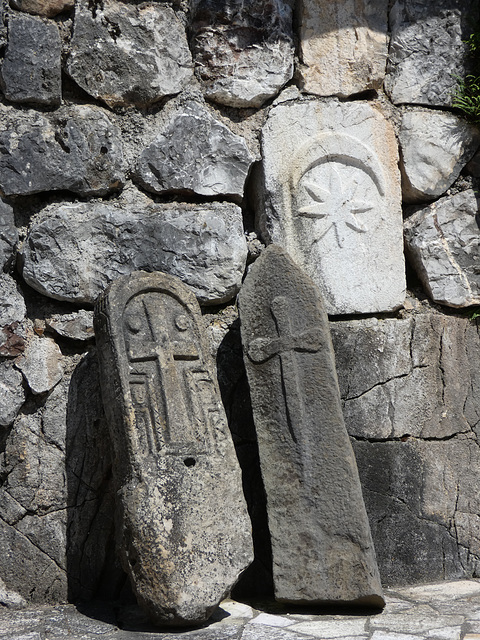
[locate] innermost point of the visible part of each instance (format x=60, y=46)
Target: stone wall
x=180, y=136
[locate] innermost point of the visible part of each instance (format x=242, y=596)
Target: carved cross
x=166, y=352
x=285, y=345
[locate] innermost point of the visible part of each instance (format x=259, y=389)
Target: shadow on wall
x=92, y=566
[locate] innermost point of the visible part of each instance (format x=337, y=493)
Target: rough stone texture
x=128, y=54
x=76, y=148
x=12, y=395
x=12, y=317
x=41, y=364
x=442, y=242
x=243, y=50
x=3, y=26
x=435, y=147
x=333, y=201
x=195, y=153
x=411, y=377
x=56, y=498
x=343, y=46
x=183, y=529
x=74, y=251
x=31, y=69
x=8, y=234
x=321, y=543
x=427, y=50
x=47, y=8
x=76, y=326
x=428, y=491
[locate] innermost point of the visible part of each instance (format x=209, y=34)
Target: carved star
x=336, y=205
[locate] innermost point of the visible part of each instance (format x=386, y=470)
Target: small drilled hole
x=189, y=462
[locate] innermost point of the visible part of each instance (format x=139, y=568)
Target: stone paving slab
x=442, y=611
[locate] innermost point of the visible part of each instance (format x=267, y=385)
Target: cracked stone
x=12, y=395
x=31, y=69
x=12, y=318
x=77, y=325
x=74, y=251
x=427, y=43
x=76, y=148
x=128, y=54
x=41, y=364
x=243, y=49
x=196, y=153
x=435, y=147
x=343, y=46
x=442, y=241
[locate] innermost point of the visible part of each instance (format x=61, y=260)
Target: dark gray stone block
x=182, y=525
x=31, y=69
x=321, y=542
x=8, y=233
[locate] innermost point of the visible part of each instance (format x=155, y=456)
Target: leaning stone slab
x=74, y=251
x=343, y=46
x=427, y=50
x=128, y=54
x=195, y=153
x=334, y=201
x=77, y=148
x=435, y=146
x=442, y=241
x=321, y=543
x=183, y=528
x=31, y=69
x=243, y=49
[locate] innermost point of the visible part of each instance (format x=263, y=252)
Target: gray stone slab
x=76, y=148
x=128, y=54
x=183, y=528
x=334, y=201
x=77, y=325
x=442, y=242
x=343, y=46
x=12, y=395
x=435, y=146
x=196, y=153
x=41, y=364
x=47, y=8
x=74, y=251
x=427, y=50
x=8, y=233
x=321, y=542
x=243, y=50
x=31, y=68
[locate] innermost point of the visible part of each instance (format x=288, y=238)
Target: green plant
x=472, y=313
x=467, y=94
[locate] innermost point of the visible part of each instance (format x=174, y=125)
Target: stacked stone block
x=180, y=136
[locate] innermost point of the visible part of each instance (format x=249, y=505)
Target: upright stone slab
x=321, y=543
x=334, y=201
x=182, y=525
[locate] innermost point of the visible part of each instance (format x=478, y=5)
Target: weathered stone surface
x=128, y=54
x=243, y=50
x=333, y=201
x=3, y=26
x=321, y=542
x=427, y=50
x=435, y=147
x=442, y=242
x=31, y=69
x=8, y=233
x=412, y=377
x=422, y=498
x=343, y=46
x=12, y=395
x=41, y=364
x=12, y=317
x=184, y=532
x=196, y=153
x=76, y=326
x=76, y=148
x=47, y=8
x=74, y=251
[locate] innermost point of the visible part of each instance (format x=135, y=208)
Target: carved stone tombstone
x=182, y=525
x=321, y=542
x=334, y=201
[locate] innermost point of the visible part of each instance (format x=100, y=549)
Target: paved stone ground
x=442, y=611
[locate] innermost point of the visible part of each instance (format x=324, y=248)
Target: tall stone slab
x=334, y=201
x=343, y=45
x=182, y=525
x=321, y=543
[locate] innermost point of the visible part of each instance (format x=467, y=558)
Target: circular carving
x=181, y=322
